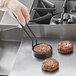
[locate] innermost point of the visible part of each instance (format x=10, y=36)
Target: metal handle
x=45, y=9
x=64, y=10
x=32, y=34
x=48, y=4
x=28, y=33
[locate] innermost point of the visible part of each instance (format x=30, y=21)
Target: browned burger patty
x=50, y=65
x=42, y=48
x=65, y=47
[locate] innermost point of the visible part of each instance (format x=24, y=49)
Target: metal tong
x=28, y=33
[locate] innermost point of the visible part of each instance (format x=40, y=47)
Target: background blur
x=1, y=14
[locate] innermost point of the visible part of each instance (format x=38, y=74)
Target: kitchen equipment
x=75, y=7
x=64, y=11
x=67, y=19
x=10, y=39
x=44, y=8
x=44, y=19
x=70, y=21
x=73, y=11
x=48, y=4
x=73, y=18
x=64, y=17
x=61, y=6
x=27, y=64
x=56, y=19
x=41, y=56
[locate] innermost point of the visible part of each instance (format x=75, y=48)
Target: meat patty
x=42, y=48
x=50, y=65
x=65, y=47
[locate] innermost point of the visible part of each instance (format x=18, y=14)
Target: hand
x=19, y=10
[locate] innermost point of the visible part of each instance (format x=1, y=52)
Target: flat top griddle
x=27, y=64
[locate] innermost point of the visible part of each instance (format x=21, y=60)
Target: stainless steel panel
x=10, y=33
x=8, y=52
x=10, y=39
x=27, y=64
x=65, y=31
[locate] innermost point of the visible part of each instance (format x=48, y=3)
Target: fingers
x=20, y=11
x=25, y=13
x=19, y=16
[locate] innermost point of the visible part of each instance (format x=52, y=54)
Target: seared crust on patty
x=42, y=48
x=65, y=47
x=50, y=65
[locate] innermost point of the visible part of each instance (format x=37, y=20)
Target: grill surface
x=27, y=64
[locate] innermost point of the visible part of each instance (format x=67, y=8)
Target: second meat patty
x=65, y=47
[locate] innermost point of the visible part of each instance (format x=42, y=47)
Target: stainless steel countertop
x=27, y=64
